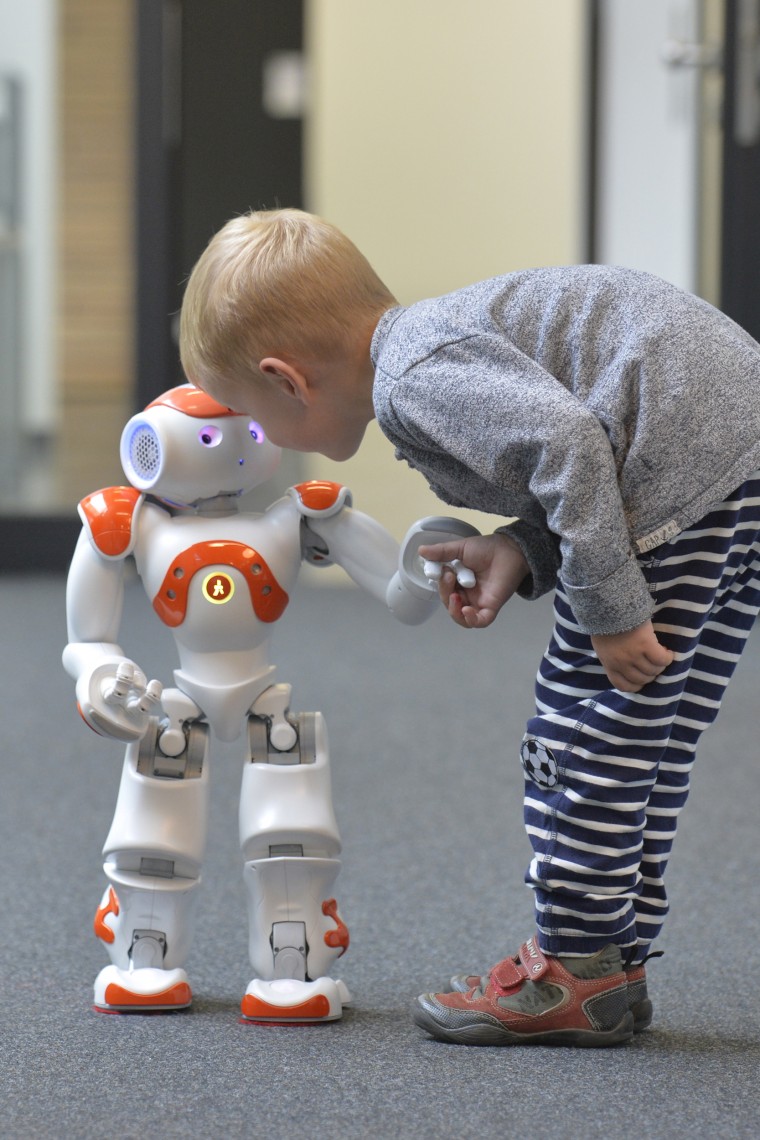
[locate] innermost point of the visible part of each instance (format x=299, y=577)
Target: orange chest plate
x=267, y=597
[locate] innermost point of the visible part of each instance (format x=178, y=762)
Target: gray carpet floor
x=424, y=726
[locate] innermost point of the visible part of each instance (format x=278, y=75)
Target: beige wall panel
x=447, y=140
x=96, y=206
x=95, y=240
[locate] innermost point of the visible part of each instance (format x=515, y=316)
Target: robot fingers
x=465, y=576
x=149, y=701
x=129, y=690
x=433, y=571
x=128, y=679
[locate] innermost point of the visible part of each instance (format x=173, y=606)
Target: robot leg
x=291, y=844
x=153, y=856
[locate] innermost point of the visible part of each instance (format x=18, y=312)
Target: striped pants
x=607, y=773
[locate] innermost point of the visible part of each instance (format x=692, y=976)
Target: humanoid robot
x=219, y=578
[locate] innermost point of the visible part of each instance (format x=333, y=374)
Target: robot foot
x=286, y=1001
x=145, y=990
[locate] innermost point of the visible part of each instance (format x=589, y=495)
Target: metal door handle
x=681, y=53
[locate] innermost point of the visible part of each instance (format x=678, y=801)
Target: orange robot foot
x=144, y=990
x=286, y=1001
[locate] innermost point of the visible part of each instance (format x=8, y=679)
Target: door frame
x=740, y=216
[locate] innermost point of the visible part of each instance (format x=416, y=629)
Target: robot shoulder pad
x=319, y=498
x=109, y=517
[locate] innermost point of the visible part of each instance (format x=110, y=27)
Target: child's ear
x=288, y=377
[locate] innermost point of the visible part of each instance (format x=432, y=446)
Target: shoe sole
x=463, y=1028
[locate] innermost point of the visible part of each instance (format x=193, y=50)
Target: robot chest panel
x=203, y=582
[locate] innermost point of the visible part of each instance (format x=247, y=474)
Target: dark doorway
x=740, y=264
x=209, y=146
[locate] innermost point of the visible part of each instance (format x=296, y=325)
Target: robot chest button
x=218, y=588
x=267, y=596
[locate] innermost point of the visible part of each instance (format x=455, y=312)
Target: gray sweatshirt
x=602, y=408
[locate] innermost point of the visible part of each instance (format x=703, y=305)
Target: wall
x=28, y=55
x=448, y=141
x=95, y=237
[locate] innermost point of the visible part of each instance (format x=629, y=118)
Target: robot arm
x=335, y=533
x=113, y=694
x=365, y=550
x=371, y=556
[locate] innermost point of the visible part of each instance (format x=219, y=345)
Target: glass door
x=66, y=249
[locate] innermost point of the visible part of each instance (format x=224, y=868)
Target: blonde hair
x=274, y=282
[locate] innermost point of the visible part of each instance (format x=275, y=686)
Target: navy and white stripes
x=601, y=810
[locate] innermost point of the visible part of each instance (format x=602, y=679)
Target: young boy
x=617, y=419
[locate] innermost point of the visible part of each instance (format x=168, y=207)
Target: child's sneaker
x=535, y=1000
x=638, y=997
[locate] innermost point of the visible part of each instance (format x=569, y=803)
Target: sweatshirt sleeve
x=541, y=552
x=547, y=457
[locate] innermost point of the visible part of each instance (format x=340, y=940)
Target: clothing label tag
x=657, y=537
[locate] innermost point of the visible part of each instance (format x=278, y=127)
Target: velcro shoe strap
x=530, y=964
x=533, y=959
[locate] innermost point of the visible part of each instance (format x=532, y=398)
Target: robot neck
x=219, y=506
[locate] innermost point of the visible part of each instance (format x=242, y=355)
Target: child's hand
x=632, y=659
x=499, y=567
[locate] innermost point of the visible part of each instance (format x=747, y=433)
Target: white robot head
x=185, y=447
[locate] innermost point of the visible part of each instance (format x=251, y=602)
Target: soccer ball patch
x=539, y=763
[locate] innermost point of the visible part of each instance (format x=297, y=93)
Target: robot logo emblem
x=218, y=588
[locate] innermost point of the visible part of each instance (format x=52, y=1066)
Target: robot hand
x=414, y=587
x=116, y=700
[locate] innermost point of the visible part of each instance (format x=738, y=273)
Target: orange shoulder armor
x=320, y=498
x=109, y=516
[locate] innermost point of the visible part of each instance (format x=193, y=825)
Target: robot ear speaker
x=143, y=453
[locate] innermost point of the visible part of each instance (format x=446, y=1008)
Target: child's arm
x=499, y=566
x=632, y=659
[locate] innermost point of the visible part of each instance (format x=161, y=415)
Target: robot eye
x=257, y=432
x=210, y=436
